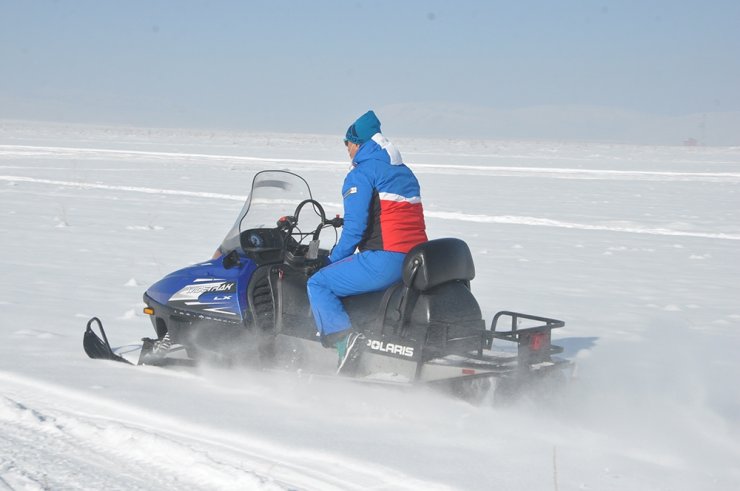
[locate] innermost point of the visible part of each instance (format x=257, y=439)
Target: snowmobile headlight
x=148, y=311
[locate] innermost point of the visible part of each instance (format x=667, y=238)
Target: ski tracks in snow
x=56, y=438
x=442, y=215
x=48, y=447
x=24, y=151
x=28, y=151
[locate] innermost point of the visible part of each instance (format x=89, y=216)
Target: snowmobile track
x=76, y=448
x=53, y=437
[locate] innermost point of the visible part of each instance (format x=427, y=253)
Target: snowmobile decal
x=193, y=291
x=220, y=310
x=396, y=349
x=199, y=315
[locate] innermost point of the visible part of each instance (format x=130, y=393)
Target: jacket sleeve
x=358, y=192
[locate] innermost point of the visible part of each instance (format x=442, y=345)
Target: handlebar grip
x=286, y=222
x=336, y=221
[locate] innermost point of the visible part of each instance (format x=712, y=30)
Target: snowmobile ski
x=98, y=348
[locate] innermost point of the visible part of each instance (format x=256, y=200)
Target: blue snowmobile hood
x=206, y=287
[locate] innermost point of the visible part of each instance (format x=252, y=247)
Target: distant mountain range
x=419, y=119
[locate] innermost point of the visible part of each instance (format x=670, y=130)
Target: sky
x=639, y=71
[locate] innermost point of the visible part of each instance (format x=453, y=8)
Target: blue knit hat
x=363, y=129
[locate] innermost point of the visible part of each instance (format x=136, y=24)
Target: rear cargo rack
x=533, y=342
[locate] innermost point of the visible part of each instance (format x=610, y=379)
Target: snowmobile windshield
x=274, y=194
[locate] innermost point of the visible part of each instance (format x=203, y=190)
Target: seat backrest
x=437, y=261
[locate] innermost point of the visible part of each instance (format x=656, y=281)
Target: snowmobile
x=250, y=304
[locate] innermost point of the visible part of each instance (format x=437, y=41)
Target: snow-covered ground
x=637, y=248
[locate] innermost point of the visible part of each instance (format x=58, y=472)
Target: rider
x=383, y=218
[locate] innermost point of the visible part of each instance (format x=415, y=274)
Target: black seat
x=426, y=266
x=438, y=261
x=436, y=303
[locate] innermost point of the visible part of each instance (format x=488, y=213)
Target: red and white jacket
x=382, y=203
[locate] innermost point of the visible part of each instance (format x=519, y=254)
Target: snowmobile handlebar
x=287, y=223
x=335, y=222
x=289, y=226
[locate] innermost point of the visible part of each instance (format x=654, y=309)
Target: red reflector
x=468, y=371
x=537, y=341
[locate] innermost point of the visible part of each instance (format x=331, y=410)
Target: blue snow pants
x=367, y=271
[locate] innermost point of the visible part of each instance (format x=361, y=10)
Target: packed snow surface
x=637, y=248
